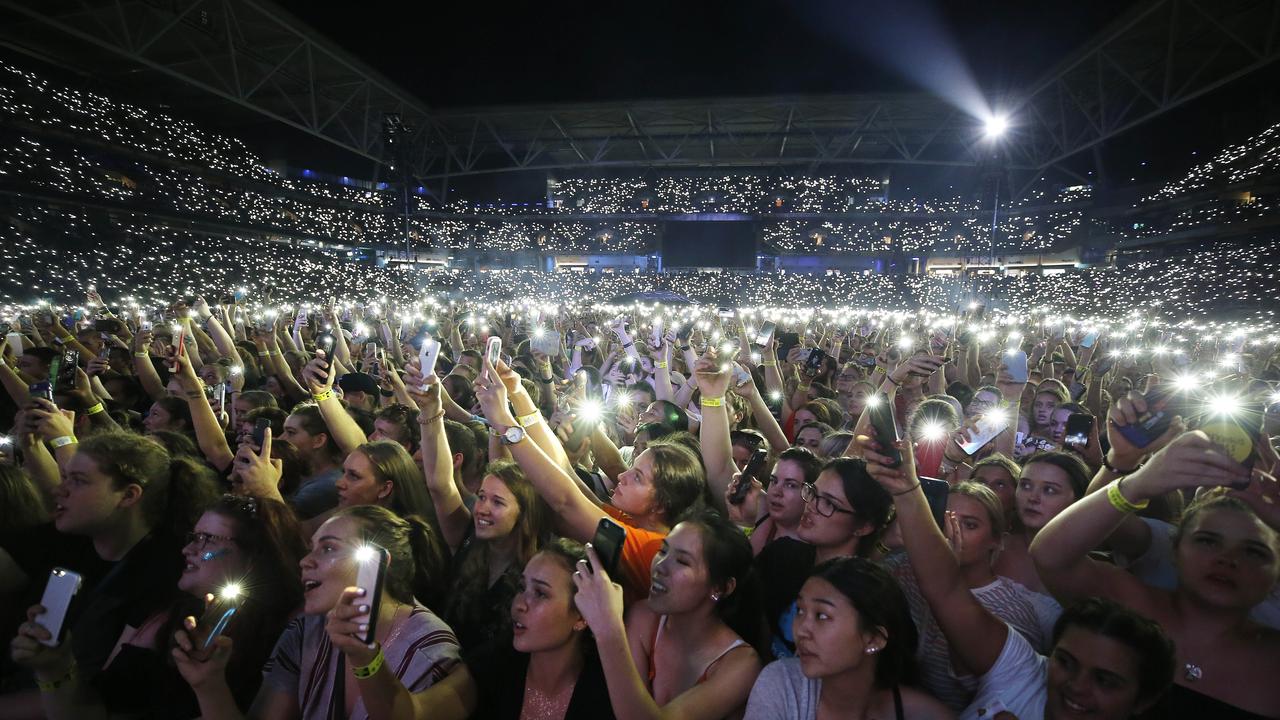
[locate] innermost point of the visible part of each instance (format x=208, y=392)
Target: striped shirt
x=304, y=663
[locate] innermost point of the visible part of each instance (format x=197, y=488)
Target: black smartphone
x=1079, y=427
x=936, y=492
x=41, y=390
x=66, y=374
x=607, y=543
x=108, y=325
x=881, y=414
x=260, y=432
x=685, y=331
x=786, y=341
x=813, y=364
x=218, y=615
x=752, y=471
x=765, y=335
x=324, y=341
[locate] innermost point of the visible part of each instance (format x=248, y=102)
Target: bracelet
x=911, y=489
x=141, y=354
x=263, y=353
x=530, y=420
x=52, y=685
x=628, y=344
x=711, y=402
x=321, y=397
x=889, y=379
x=1120, y=502
x=660, y=365
x=94, y=410
x=547, y=380
x=1115, y=470
x=431, y=419
x=368, y=671
x=63, y=441
x=881, y=370
x=770, y=363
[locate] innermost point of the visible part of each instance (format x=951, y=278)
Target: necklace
x=1192, y=672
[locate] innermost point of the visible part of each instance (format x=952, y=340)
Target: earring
x=873, y=650
x=715, y=597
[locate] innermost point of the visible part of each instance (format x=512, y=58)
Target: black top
x=783, y=566
x=479, y=616
x=1183, y=703
x=500, y=671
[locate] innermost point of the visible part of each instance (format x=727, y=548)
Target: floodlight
x=995, y=126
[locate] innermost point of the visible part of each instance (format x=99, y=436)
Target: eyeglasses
x=825, y=506
x=201, y=539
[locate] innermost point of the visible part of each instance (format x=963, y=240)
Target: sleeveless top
x=653, y=670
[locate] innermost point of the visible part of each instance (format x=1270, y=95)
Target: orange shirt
x=637, y=555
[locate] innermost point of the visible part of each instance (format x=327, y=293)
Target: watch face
x=513, y=434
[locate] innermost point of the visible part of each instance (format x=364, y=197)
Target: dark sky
x=487, y=53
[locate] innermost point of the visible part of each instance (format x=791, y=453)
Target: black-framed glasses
x=202, y=539
x=825, y=506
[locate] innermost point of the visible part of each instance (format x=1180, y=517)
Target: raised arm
x=437, y=459
x=974, y=634
x=209, y=435
x=576, y=513
x=713, y=376
x=344, y=431
x=765, y=421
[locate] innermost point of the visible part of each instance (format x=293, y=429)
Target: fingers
x=265, y=453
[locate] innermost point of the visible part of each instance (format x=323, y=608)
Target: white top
x=1017, y=683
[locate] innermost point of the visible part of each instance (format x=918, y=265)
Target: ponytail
x=418, y=565
x=176, y=490
x=430, y=566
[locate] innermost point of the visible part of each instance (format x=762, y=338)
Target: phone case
x=765, y=336
x=886, y=427
x=370, y=575
x=428, y=354
x=988, y=427
x=493, y=350
x=58, y=593
x=936, y=492
x=607, y=543
x=1079, y=426
x=217, y=617
x=1017, y=363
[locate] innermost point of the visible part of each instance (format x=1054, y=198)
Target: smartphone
x=656, y=333
x=813, y=363
x=607, y=543
x=990, y=424
x=260, y=432
x=58, y=593
x=65, y=376
x=15, y=343
x=765, y=335
x=979, y=312
x=886, y=426
x=684, y=331
x=371, y=572
x=1016, y=361
x=786, y=341
x=936, y=492
x=724, y=313
x=752, y=471
x=41, y=390
x=1089, y=339
x=936, y=360
x=217, y=616
x=324, y=342
x=548, y=344
x=740, y=377
x=428, y=352
x=1237, y=433
x=1079, y=427
x=1155, y=421
x=179, y=345
x=493, y=350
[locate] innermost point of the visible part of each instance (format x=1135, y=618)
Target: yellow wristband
x=141, y=355
x=94, y=410
x=263, y=353
x=62, y=441
x=1120, y=502
x=52, y=685
x=530, y=420
x=770, y=363
x=321, y=397
x=711, y=402
x=368, y=671
x=661, y=365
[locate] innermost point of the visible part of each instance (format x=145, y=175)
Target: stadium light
x=995, y=126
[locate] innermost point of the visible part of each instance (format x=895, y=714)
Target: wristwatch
x=511, y=435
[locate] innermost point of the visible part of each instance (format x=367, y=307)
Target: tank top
x=657, y=632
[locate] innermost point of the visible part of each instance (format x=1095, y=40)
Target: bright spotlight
x=933, y=431
x=591, y=411
x=995, y=126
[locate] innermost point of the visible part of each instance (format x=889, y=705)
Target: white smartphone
x=990, y=424
x=15, y=343
x=1016, y=361
x=493, y=351
x=371, y=570
x=427, y=355
x=657, y=332
x=740, y=376
x=58, y=592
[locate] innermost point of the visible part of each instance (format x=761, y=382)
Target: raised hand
x=599, y=598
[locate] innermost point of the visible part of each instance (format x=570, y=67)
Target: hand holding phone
x=372, y=562
x=428, y=353
x=888, y=434
x=59, y=591
x=493, y=352
x=750, y=473
x=607, y=542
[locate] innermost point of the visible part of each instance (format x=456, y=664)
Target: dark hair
x=177, y=444
x=809, y=463
x=461, y=440
x=822, y=428
x=404, y=418
x=728, y=556
x=822, y=414
x=259, y=399
x=673, y=415
x=391, y=463
x=175, y=490
x=312, y=423
x=642, y=386
x=418, y=565
x=870, y=502
x=274, y=415
x=679, y=480
x=656, y=431
x=748, y=438
x=880, y=603
x=1214, y=501
x=1077, y=472
x=1154, y=649
x=177, y=409
x=21, y=506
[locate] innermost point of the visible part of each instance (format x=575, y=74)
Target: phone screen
x=1079, y=427
x=765, y=336
x=886, y=426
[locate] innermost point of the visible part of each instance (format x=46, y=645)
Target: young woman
x=796, y=468
x=133, y=502
x=383, y=473
x=664, y=481
x=855, y=645
x=320, y=668
x=846, y=513
x=169, y=413
x=975, y=531
x=999, y=473
x=550, y=668
x=1227, y=550
x=1107, y=661
x=681, y=653
x=250, y=544
x=1049, y=483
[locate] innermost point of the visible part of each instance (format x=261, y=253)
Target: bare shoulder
x=919, y=704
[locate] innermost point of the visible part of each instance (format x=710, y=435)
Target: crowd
x=406, y=507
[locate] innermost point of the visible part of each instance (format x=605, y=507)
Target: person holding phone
x=412, y=669
x=856, y=651
x=683, y=652
x=1106, y=660
x=548, y=669
x=1227, y=550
